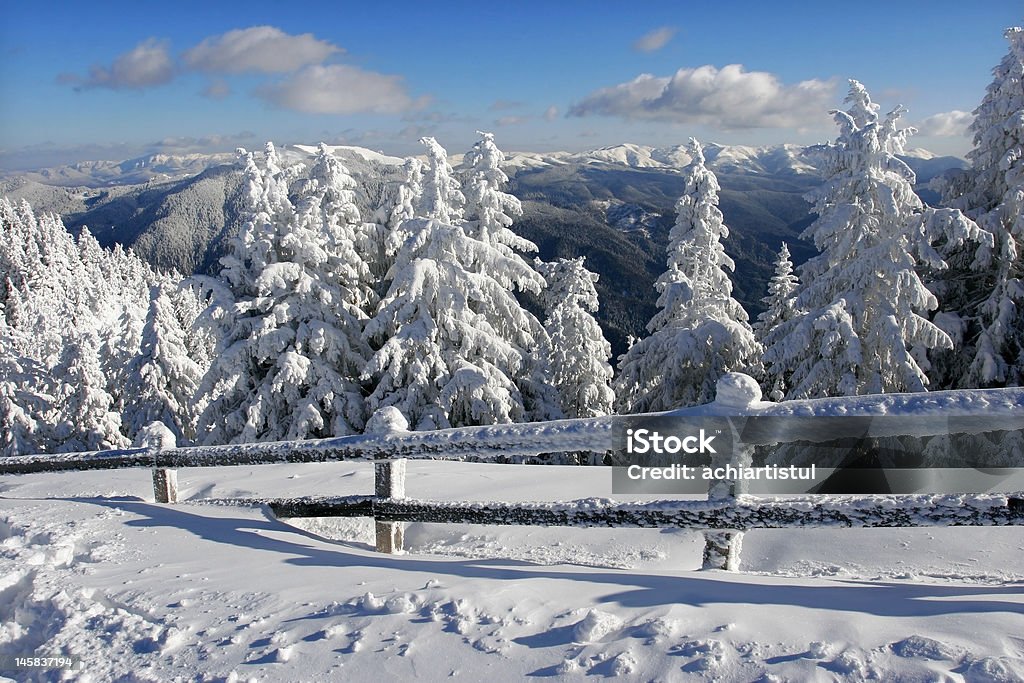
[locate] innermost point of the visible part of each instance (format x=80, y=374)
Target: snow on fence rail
x=724, y=516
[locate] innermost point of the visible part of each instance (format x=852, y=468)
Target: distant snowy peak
x=773, y=160
x=349, y=152
x=174, y=164
x=138, y=170
x=160, y=167
x=635, y=156
x=776, y=160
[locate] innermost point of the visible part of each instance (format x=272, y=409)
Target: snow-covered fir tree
x=700, y=332
x=286, y=369
x=983, y=291
x=451, y=338
x=402, y=191
x=24, y=408
x=86, y=419
x=71, y=310
x=779, y=308
x=407, y=195
x=863, y=329
x=441, y=197
x=162, y=379
x=577, y=354
x=490, y=211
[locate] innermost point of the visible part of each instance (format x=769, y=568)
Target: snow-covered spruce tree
x=490, y=213
x=25, y=405
x=450, y=334
x=779, y=308
x=286, y=369
x=129, y=280
x=86, y=419
x=441, y=198
x=19, y=430
x=982, y=293
x=863, y=330
x=399, y=198
x=327, y=205
x=576, y=361
x=162, y=379
x=13, y=256
x=700, y=332
x=451, y=338
x=406, y=195
x=189, y=302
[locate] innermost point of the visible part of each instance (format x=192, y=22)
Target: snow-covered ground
x=144, y=592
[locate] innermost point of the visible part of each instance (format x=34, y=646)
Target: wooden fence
x=723, y=517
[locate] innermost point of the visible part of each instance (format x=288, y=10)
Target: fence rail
x=723, y=517
x=742, y=514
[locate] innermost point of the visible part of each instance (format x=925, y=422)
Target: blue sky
x=112, y=80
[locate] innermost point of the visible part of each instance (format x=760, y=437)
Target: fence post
x=737, y=393
x=157, y=437
x=388, y=478
x=389, y=482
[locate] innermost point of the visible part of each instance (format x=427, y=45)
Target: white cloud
x=263, y=49
x=340, y=89
x=217, y=89
x=551, y=113
x=208, y=143
x=505, y=105
x=728, y=98
x=655, y=40
x=946, y=124
x=147, y=64
x=511, y=120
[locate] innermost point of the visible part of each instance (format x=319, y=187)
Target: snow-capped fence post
x=157, y=437
x=389, y=482
x=388, y=479
x=736, y=393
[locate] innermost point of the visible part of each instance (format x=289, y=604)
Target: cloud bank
x=655, y=40
x=946, y=124
x=728, y=98
x=339, y=89
x=146, y=65
x=308, y=85
x=259, y=49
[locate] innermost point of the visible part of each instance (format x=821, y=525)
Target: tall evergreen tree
x=286, y=369
x=450, y=334
x=864, y=330
x=700, y=332
x=25, y=408
x=983, y=291
x=779, y=308
x=490, y=210
x=490, y=213
x=577, y=358
x=442, y=197
x=452, y=340
x=162, y=379
x=86, y=419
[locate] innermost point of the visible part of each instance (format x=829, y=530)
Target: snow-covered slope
x=91, y=568
x=150, y=167
x=347, y=152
